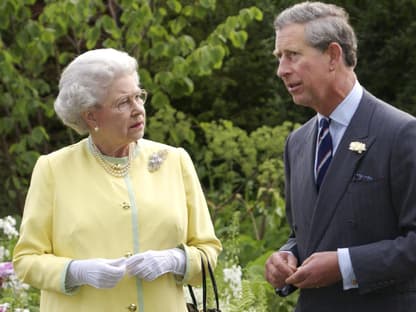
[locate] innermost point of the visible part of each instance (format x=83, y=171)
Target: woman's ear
x=90, y=119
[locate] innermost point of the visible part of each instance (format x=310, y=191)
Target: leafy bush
x=242, y=173
x=14, y=295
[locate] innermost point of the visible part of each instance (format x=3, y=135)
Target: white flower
x=357, y=147
x=233, y=277
x=4, y=254
x=8, y=224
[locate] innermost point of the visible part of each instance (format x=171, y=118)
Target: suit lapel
x=340, y=173
x=305, y=167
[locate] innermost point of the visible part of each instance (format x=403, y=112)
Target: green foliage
x=386, y=34
x=172, y=126
x=13, y=293
x=22, y=96
x=244, y=172
x=245, y=289
x=245, y=90
x=211, y=76
x=38, y=39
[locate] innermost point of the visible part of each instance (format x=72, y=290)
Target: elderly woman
x=114, y=222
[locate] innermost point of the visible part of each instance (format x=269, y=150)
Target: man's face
x=303, y=69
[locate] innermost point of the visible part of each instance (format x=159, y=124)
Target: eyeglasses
x=127, y=103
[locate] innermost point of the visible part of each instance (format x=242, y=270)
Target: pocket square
x=359, y=177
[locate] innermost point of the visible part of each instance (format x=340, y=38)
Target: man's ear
x=335, y=55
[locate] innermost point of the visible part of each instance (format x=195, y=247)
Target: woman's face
x=120, y=117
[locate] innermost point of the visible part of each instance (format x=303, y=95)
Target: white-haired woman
x=114, y=222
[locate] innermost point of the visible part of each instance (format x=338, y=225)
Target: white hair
x=84, y=83
x=324, y=23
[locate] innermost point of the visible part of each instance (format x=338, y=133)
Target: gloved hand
x=151, y=264
x=99, y=273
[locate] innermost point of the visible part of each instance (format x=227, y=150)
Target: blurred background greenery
x=209, y=68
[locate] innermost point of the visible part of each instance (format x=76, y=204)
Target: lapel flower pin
x=357, y=147
x=156, y=160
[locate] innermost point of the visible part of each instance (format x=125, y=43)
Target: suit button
x=125, y=205
x=132, y=307
x=128, y=254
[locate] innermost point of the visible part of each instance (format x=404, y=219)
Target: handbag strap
x=191, y=292
x=204, y=288
x=214, y=286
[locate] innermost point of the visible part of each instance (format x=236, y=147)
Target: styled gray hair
x=84, y=83
x=324, y=23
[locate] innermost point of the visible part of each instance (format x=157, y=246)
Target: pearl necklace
x=116, y=170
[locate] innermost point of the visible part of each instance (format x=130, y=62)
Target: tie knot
x=324, y=123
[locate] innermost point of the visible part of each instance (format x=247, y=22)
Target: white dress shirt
x=340, y=119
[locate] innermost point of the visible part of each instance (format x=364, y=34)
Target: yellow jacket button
x=132, y=307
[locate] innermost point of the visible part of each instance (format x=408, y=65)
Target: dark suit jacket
x=367, y=203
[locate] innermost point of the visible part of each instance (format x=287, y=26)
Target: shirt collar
x=346, y=109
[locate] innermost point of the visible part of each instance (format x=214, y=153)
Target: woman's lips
x=137, y=125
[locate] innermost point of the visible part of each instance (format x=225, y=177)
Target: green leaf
x=188, y=11
x=174, y=5
x=188, y=84
x=238, y=38
x=177, y=25
x=38, y=135
x=208, y=4
x=92, y=35
x=186, y=44
x=179, y=66
x=160, y=100
x=159, y=49
x=164, y=78
x=157, y=31
x=109, y=26
x=65, y=57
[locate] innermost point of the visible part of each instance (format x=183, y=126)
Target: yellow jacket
x=75, y=210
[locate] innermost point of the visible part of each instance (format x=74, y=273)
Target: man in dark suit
x=350, y=176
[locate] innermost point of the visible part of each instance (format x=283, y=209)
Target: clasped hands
x=106, y=273
x=319, y=270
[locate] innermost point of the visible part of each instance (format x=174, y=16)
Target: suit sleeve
x=393, y=261
x=291, y=242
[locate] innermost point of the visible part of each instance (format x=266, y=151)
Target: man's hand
x=280, y=266
x=319, y=270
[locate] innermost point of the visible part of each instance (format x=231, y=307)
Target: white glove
x=99, y=273
x=151, y=264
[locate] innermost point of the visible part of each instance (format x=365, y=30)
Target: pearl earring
x=96, y=129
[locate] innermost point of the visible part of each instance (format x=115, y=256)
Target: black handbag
x=193, y=307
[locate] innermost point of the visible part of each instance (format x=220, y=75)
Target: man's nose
x=283, y=68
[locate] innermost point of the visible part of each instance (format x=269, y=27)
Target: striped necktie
x=324, y=156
